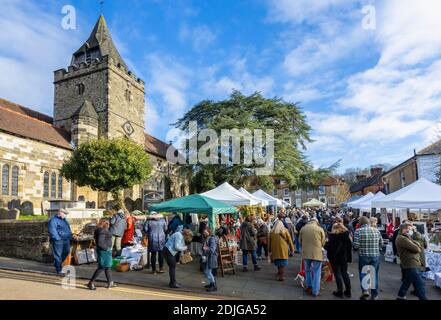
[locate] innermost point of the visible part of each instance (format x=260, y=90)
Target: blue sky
x=371, y=96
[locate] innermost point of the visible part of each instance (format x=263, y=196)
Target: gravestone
x=110, y=204
x=45, y=206
x=6, y=214
x=14, y=204
x=90, y=205
x=129, y=203
x=27, y=208
x=138, y=204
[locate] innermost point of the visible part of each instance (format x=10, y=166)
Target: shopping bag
x=186, y=258
x=327, y=274
x=85, y=256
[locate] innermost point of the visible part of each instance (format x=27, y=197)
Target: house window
x=322, y=199
x=298, y=192
x=274, y=192
x=53, y=185
x=287, y=200
x=14, y=183
x=322, y=189
x=46, y=185
x=81, y=88
x=309, y=191
x=60, y=186
x=331, y=201
x=5, y=180
x=403, y=179
x=298, y=203
x=334, y=189
x=286, y=192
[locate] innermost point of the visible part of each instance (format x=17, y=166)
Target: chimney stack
x=376, y=170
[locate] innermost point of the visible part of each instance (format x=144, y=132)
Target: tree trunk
x=118, y=201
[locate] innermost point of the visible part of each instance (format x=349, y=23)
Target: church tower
x=99, y=79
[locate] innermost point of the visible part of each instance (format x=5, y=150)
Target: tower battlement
x=94, y=65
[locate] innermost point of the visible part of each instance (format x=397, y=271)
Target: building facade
x=96, y=97
x=371, y=183
x=329, y=192
x=424, y=164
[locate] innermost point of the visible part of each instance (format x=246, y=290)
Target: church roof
x=21, y=121
x=158, y=147
x=87, y=110
x=24, y=122
x=101, y=40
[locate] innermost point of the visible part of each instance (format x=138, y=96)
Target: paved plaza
x=260, y=285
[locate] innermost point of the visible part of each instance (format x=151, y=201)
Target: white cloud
x=170, y=80
x=32, y=45
x=299, y=11
x=238, y=78
x=200, y=36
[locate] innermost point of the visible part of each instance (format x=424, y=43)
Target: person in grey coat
x=156, y=228
x=118, y=225
x=210, y=258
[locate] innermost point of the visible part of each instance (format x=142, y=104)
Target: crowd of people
x=310, y=233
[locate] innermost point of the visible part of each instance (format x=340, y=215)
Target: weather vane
x=102, y=6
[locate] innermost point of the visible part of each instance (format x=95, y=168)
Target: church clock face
x=128, y=128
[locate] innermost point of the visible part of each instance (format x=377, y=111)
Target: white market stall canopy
x=262, y=195
x=367, y=204
x=364, y=198
x=249, y=195
x=227, y=194
x=422, y=194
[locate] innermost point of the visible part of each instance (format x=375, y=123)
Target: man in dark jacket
x=409, y=251
x=248, y=242
x=60, y=235
x=118, y=224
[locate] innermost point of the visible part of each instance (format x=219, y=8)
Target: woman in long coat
x=155, y=228
x=210, y=258
x=339, y=252
x=279, y=244
x=103, y=240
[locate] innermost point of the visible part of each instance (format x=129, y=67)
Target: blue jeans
x=313, y=272
x=60, y=250
x=413, y=276
x=297, y=243
x=375, y=263
x=245, y=257
x=209, y=274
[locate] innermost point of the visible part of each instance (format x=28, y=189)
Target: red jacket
x=130, y=231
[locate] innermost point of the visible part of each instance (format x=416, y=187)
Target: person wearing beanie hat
x=60, y=235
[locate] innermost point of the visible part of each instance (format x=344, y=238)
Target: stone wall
x=30, y=239
x=67, y=99
x=33, y=159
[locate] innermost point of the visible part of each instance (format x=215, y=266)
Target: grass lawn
x=32, y=218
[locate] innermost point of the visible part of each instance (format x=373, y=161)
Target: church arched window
x=14, y=183
x=60, y=186
x=46, y=185
x=5, y=180
x=53, y=185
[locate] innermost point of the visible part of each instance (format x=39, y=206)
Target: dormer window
x=80, y=88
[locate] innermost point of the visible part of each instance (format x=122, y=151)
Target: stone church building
x=96, y=97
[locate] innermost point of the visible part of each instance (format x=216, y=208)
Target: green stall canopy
x=195, y=203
